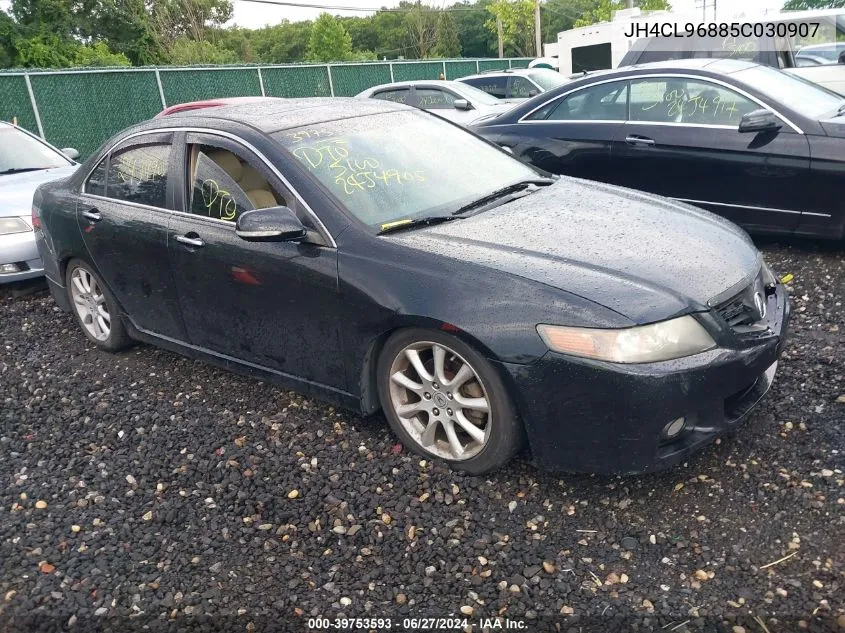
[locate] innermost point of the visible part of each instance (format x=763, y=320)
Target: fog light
x=674, y=428
x=9, y=268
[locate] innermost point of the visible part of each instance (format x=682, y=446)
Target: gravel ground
x=147, y=489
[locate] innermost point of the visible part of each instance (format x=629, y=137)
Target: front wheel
x=445, y=400
x=94, y=308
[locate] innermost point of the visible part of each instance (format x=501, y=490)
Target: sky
x=254, y=15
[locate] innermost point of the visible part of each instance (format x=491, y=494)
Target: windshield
x=395, y=166
x=20, y=151
x=548, y=79
x=474, y=95
x=800, y=95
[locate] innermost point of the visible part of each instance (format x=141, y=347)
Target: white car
x=25, y=162
x=451, y=100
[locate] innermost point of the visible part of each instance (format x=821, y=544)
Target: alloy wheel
x=440, y=400
x=89, y=301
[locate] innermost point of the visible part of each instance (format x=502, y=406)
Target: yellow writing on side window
x=213, y=196
x=136, y=169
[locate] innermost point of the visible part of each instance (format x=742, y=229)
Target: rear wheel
x=445, y=400
x=94, y=308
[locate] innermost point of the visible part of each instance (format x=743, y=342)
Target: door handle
x=639, y=140
x=93, y=215
x=190, y=241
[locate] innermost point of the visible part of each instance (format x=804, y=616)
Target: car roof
x=505, y=71
x=209, y=103
x=709, y=64
x=273, y=115
x=414, y=82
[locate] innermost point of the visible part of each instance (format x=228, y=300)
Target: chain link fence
x=82, y=108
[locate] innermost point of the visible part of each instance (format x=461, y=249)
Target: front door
x=682, y=141
x=123, y=211
x=261, y=303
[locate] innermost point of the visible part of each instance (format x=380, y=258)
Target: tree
x=185, y=51
x=805, y=5
x=422, y=26
x=329, y=41
x=517, y=19
x=99, y=55
x=603, y=11
x=173, y=19
x=448, y=43
x=476, y=39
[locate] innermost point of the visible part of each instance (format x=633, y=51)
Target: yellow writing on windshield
x=357, y=173
x=678, y=104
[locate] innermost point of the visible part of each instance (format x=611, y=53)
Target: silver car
x=25, y=162
x=451, y=100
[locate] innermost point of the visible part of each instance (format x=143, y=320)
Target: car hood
x=16, y=190
x=485, y=112
x=643, y=256
x=834, y=127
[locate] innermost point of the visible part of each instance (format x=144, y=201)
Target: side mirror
x=533, y=93
x=759, y=121
x=274, y=224
x=71, y=152
x=462, y=104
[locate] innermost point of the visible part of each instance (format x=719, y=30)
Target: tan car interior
x=249, y=179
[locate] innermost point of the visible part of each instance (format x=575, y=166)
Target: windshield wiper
x=20, y=170
x=504, y=191
x=841, y=109
x=401, y=225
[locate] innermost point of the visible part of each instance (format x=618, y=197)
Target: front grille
x=735, y=312
x=742, y=313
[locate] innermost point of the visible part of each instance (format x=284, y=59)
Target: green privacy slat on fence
x=460, y=69
x=14, y=102
x=417, y=70
x=492, y=64
x=519, y=63
x=296, y=81
x=195, y=84
x=82, y=110
x=348, y=81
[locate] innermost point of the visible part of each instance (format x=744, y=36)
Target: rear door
x=270, y=304
x=573, y=134
x=123, y=214
x=682, y=141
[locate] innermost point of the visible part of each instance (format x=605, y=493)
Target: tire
x=462, y=406
x=94, y=308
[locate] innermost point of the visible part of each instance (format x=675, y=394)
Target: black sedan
x=379, y=257
x=756, y=145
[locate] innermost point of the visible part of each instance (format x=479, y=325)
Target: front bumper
x=591, y=416
x=19, y=249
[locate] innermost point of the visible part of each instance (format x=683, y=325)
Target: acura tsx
x=380, y=258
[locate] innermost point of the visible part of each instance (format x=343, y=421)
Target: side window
x=139, y=174
x=522, y=88
x=678, y=100
x=224, y=185
x=397, y=96
x=496, y=86
x=604, y=102
x=433, y=99
x=96, y=183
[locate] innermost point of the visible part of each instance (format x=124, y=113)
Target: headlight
x=676, y=338
x=13, y=225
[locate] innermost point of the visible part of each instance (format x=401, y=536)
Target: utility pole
x=501, y=37
x=630, y=4
x=538, y=35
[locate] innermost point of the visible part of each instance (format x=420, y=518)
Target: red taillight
x=36, y=218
